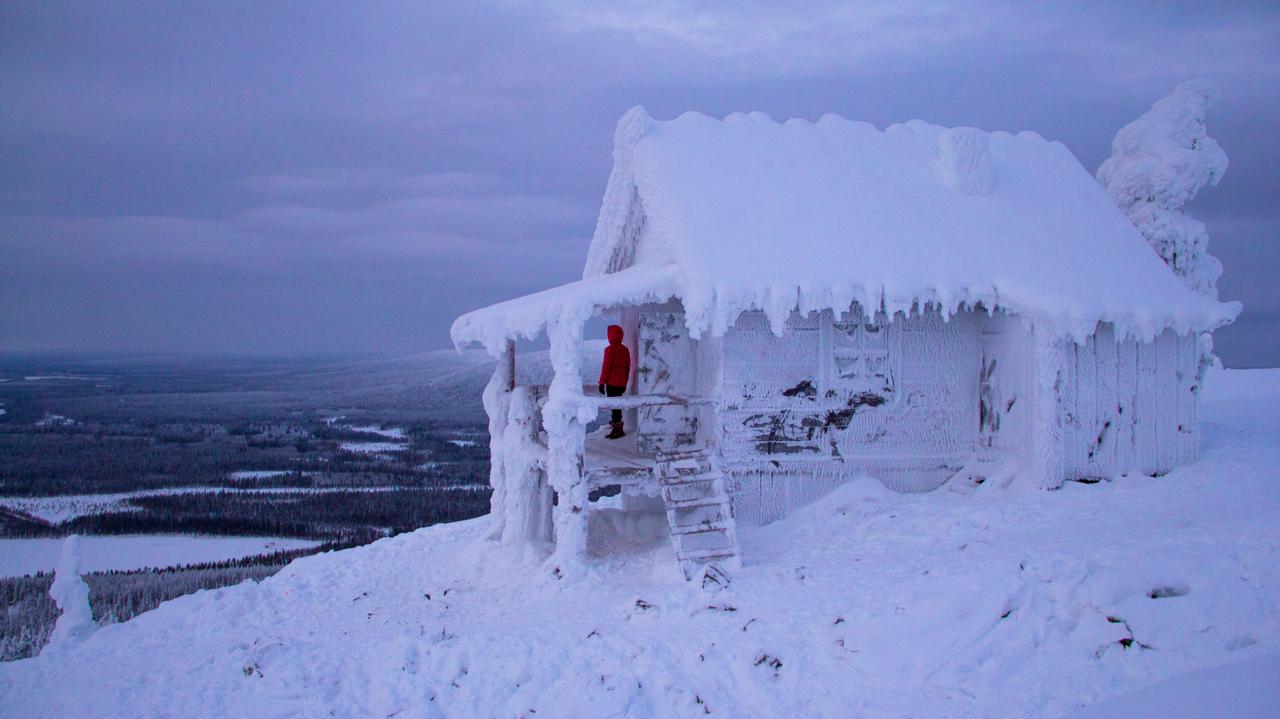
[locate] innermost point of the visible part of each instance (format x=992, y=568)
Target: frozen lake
x=100, y=553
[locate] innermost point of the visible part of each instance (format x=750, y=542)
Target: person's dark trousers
x=612, y=391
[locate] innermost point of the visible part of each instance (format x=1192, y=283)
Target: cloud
x=338, y=176
x=333, y=184
x=781, y=37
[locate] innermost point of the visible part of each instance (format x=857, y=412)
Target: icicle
x=1048, y=363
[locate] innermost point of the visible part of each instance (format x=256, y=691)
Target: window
x=859, y=356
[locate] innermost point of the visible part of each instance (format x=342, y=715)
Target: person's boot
x=617, y=432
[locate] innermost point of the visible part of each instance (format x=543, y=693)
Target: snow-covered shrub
x=1158, y=163
x=71, y=594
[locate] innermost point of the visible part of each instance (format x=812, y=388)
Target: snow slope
x=866, y=603
x=1251, y=686
x=104, y=553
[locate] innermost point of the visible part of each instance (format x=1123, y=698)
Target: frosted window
x=860, y=357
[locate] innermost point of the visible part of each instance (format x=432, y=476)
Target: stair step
x=694, y=502
x=690, y=478
x=702, y=555
x=676, y=455
x=684, y=454
x=675, y=500
x=699, y=511
x=702, y=527
x=685, y=463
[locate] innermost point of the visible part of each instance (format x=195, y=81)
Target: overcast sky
x=316, y=177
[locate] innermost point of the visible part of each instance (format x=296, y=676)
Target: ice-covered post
x=497, y=401
x=1048, y=362
x=563, y=416
x=527, y=510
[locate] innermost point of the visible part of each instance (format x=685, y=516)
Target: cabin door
x=666, y=365
x=1001, y=386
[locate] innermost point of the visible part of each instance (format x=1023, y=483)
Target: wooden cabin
x=810, y=302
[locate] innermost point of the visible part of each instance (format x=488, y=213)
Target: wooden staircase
x=698, y=511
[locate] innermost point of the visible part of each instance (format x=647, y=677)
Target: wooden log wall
x=1128, y=406
x=832, y=398
x=666, y=364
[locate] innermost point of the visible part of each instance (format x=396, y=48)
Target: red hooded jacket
x=616, y=368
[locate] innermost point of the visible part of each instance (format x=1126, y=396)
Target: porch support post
x=497, y=403
x=528, y=498
x=565, y=417
x=1048, y=363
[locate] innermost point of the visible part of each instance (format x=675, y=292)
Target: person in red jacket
x=614, y=373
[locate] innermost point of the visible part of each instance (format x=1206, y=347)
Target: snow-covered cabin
x=810, y=301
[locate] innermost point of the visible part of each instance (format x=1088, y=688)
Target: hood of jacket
x=615, y=334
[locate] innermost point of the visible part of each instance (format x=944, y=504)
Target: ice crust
x=748, y=213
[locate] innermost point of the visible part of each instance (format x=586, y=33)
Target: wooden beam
x=509, y=359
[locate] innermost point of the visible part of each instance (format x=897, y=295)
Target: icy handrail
x=592, y=399
x=633, y=401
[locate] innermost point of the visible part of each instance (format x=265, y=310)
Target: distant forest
x=358, y=517
x=339, y=452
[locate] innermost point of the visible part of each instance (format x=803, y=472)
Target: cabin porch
x=553, y=470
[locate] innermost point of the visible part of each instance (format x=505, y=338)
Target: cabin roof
x=577, y=301
x=746, y=212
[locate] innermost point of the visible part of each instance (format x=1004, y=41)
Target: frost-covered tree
x=71, y=594
x=1158, y=163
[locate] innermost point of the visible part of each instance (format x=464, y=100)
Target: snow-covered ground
x=1251, y=686
x=1010, y=602
x=371, y=447
x=257, y=474
x=102, y=553
x=390, y=432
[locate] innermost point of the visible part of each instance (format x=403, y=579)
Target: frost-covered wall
x=1129, y=406
x=911, y=402
x=1004, y=381
x=833, y=397
x=667, y=365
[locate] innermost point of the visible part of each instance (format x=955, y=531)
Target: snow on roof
x=798, y=215
x=577, y=301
